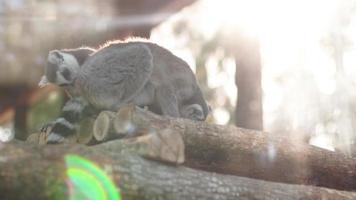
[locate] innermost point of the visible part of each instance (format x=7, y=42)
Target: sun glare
x=6, y=134
x=291, y=34
x=275, y=18
x=301, y=77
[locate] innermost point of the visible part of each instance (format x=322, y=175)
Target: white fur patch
x=75, y=107
x=55, y=138
x=64, y=122
x=69, y=62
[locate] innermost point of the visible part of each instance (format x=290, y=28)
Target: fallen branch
x=232, y=150
x=32, y=172
x=235, y=151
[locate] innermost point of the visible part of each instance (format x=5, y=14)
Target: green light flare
x=88, y=181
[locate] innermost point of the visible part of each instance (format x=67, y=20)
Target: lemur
x=119, y=73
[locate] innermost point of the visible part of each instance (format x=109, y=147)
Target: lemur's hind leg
x=167, y=101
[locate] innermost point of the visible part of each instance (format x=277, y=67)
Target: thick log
x=85, y=130
x=232, y=150
x=109, y=125
x=47, y=172
x=104, y=126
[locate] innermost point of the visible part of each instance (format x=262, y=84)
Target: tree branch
x=237, y=151
x=42, y=173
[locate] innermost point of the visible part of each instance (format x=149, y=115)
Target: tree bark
x=237, y=151
x=32, y=172
x=21, y=108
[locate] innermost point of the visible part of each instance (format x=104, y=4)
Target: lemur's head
x=63, y=66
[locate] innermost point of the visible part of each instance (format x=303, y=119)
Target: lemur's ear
x=81, y=54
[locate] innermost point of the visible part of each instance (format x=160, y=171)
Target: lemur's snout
x=50, y=71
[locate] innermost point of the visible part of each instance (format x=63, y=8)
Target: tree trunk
x=21, y=108
x=248, y=81
x=29, y=172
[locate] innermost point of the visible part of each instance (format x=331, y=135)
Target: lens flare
x=88, y=181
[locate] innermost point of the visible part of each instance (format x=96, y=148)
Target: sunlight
x=6, y=134
x=294, y=58
x=322, y=141
x=221, y=116
x=302, y=76
x=53, y=96
x=222, y=78
x=273, y=18
x=245, y=15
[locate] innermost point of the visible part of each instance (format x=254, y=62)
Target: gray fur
x=138, y=72
x=112, y=77
x=193, y=112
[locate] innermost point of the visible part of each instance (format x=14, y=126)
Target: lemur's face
x=61, y=69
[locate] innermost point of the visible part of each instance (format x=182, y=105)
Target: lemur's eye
x=66, y=74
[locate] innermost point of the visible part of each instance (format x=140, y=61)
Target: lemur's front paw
x=57, y=131
x=46, y=128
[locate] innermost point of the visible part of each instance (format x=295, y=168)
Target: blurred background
x=287, y=67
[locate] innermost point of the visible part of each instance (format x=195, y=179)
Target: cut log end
x=122, y=123
x=84, y=135
x=101, y=127
x=163, y=145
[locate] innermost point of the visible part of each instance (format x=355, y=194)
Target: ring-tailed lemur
x=121, y=73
